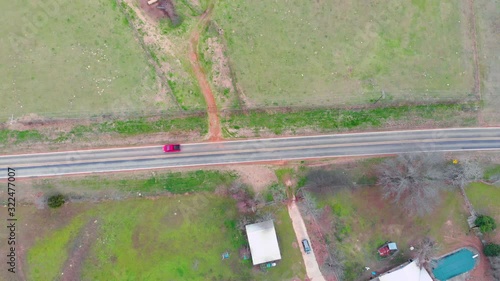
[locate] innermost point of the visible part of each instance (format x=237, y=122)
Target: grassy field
x=174, y=238
x=173, y=182
x=365, y=222
x=485, y=200
x=329, y=120
x=291, y=264
x=161, y=239
x=235, y=125
x=492, y=172
x=167, y=45
x=487, y=15
x=177, y=237
x=336, y=52
x=73, y=59
x=124, y=128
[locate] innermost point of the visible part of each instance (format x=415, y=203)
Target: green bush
x=492, y=250
x=485, y=223
x=56, y=201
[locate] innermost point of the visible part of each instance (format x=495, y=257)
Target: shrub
x=485, y=223
x=56, y=201
x=492, y=250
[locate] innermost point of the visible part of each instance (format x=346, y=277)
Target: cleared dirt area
x=257, y=176
x=151, y=10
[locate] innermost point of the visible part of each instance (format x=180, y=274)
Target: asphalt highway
x=258, y=150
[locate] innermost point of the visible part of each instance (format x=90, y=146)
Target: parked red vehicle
x=172, y=148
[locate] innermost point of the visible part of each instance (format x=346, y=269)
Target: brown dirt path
x=214, y=129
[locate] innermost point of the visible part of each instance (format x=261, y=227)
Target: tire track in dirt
x=214, y=129
x=81, y=247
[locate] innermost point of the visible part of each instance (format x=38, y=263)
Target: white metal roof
x=392, y=246
x=408, y=272
x=263, y=242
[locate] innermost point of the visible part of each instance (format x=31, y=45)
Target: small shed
x=387, y=249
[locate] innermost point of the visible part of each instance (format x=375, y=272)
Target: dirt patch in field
x=34, y=224
x=220, y=68
x=149, y=17
x=257, y=176
x=151, y=10
x=81, y=247
x=50, y=126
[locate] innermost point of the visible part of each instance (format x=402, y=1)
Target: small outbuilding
x=387, y=249
x=263, y=242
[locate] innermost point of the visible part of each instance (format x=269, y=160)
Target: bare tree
x=264, y=216
x=464, y=172
x=495, y=266
x=309, y=204
x=413, y=181
x=425, y=251
x=243, y=221
x=324, y=181
x=334, y=263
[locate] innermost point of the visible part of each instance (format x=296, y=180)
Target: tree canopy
x=413, y=181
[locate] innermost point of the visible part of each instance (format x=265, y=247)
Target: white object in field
x=151, y=2
x=475, y=256
x=411, y=248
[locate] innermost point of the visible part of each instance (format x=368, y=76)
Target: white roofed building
x=409, y=271
x=263, y=242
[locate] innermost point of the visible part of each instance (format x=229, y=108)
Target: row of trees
x=413, y=181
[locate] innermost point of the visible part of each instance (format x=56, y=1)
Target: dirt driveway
x=312, y=267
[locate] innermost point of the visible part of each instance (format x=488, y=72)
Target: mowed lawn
x=485, y=199
x=62, y=58
x=168, y=238
x=336, y=52
x=365, y=221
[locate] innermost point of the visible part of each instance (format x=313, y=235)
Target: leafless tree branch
x=413, y=181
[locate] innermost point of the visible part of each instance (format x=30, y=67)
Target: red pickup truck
x=172, y=148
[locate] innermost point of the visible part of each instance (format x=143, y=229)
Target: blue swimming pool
x=454, y=264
